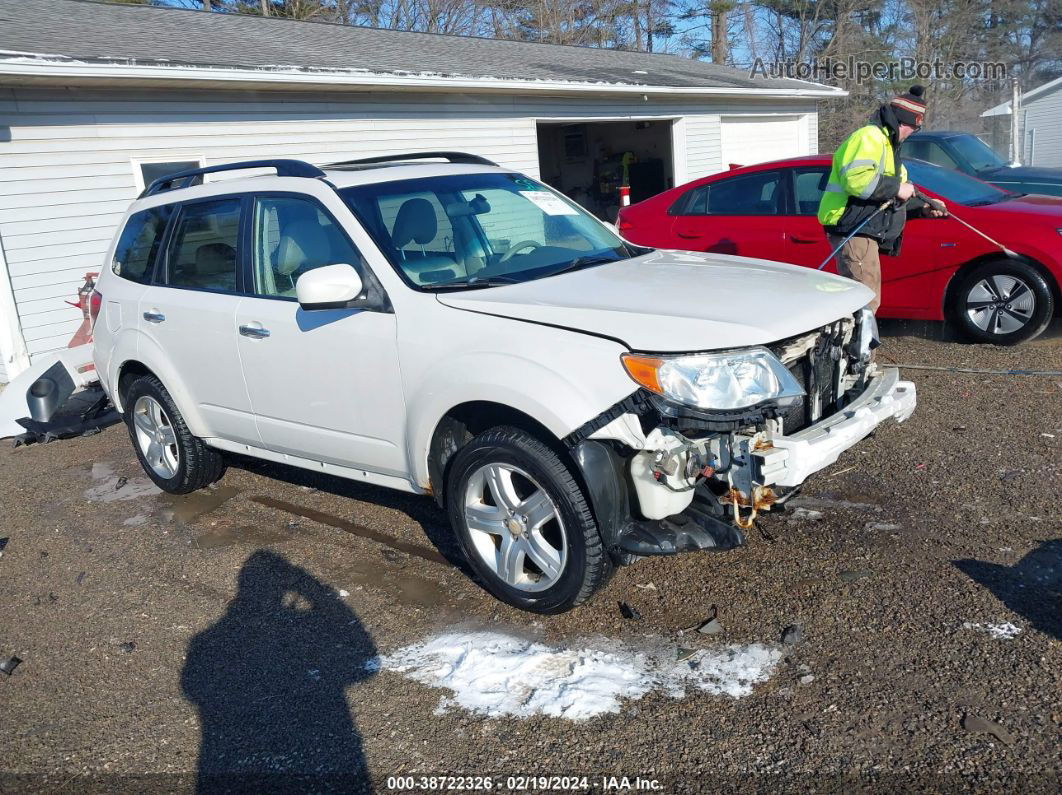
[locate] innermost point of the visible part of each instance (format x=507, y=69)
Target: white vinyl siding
x=67, y=170
x=1043, y=130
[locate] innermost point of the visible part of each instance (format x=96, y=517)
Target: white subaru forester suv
x=437, y=324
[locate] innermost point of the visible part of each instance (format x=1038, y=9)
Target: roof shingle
x=103, y=32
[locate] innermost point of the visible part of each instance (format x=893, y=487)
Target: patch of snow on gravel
x=1004, y=631
x=495, y=674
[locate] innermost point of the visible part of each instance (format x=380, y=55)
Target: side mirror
x=328, y=287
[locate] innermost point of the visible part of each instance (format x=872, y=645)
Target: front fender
x=558, y=401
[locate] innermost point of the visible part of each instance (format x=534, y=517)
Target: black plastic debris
x=82, y=414
x=121, y=482
x=3, y=545
x=128, y=647
x=792, y=634
x=710, y=627
x=9, y=665
x=629, y=611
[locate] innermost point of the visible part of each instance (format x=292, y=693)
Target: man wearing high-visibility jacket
x=867, y=173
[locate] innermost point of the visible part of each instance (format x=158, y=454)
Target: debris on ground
x=3, y=545
x=684, y=654
x=121, y=482
x=710, y=627
x=805, y=514
x=9, y=665
x=128, y=647
x=978, y=725
x=793, y=634
x=645, y=586
x=807, y=679
x=629, y=611
x=851, y=575
x=1004, y=631
x=882, y=527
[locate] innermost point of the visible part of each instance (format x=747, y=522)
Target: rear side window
x=749, y=194
x=205, y=241
x=138, y=247
x=808, y=187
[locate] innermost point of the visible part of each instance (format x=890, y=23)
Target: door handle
x=688, y=236
x=154, y=316
x=254, y=332
x=796, y=239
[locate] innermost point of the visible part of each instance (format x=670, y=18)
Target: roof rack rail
x=194, y=176
x=453, y=157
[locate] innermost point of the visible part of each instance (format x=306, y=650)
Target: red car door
x=738, y=215
x=910, y=282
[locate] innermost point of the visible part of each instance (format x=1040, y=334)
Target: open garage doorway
x=588, y=161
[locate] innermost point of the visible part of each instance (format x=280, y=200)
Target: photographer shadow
x=269, y=680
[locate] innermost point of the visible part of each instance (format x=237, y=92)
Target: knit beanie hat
x=910, y=108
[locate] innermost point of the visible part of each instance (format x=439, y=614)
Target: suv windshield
x=479, y=230
x=953, y=185
x=976, y=152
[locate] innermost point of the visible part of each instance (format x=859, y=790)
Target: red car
x=944, y=270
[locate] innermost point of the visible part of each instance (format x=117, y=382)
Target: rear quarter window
x=138, y=246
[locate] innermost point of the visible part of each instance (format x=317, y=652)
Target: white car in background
x=460, y=330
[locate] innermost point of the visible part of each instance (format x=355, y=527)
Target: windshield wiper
x=586, y=261
x=472, y=282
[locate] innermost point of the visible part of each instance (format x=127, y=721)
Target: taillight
x=624, y=224
x=95, y=302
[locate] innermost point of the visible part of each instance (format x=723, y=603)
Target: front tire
x=1003, y=302
x=174, y=459
x=524, y=524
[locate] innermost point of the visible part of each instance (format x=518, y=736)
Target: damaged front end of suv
x=710, y=440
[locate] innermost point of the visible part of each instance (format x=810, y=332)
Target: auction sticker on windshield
x=548, y=203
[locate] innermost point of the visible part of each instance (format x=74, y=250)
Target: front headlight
x=721, y=381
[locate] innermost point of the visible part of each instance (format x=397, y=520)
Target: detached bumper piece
x=84, y=413
x=814, y=448
x=693, y=529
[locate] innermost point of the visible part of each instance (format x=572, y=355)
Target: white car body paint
x=676, y=302
x=549, y=348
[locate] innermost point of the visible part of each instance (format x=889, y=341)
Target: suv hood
x=675, y=301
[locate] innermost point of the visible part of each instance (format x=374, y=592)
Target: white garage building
x=1039, y=125
x=97, y=99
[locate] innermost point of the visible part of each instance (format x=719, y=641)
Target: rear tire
x=174, y=459
x=524, y=524
x=1002, y=302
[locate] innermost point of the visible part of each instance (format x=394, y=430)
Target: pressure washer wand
x=855, y=231
x=996, y=243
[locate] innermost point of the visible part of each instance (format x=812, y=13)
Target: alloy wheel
x=156, y=437
x=1000, y=304
x=515, y=527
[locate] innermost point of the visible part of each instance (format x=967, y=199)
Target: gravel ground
x=163, y=636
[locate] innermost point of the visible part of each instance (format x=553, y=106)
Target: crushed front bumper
x=792, y=459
